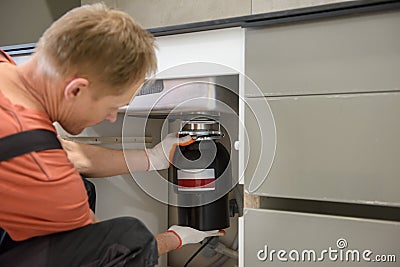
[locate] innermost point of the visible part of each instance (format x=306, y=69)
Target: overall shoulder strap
x=21, y=143
x=28, y=141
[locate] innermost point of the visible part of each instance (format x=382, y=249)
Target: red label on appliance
x=196, y=180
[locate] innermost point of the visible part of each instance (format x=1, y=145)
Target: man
x=86, y=65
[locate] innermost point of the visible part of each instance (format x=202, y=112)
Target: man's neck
x=37, y=90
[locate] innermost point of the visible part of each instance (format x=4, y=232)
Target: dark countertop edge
x=256, y=20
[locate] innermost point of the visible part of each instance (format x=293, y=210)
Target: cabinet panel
x=311, y=233
x=338, y=148
x=347, y=54
x=258, y=141
x=154, y=13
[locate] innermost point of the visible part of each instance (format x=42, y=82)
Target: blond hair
x=99, y=43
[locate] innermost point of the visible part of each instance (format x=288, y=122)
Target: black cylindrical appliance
x=203, y=177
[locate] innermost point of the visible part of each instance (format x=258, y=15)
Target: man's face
x=89, y=111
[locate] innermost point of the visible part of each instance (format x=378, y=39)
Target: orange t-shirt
x=40, y=192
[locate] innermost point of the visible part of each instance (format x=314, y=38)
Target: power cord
x=199, y=250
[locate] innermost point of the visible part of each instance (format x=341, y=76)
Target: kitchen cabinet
x=334, y=91
x=333, y=88
x=347, y=240
x=349, y=54
x=336, y=147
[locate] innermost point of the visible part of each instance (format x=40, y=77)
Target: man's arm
x=166, y=242
x=95, y=161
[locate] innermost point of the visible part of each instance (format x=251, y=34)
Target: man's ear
x=75, y=87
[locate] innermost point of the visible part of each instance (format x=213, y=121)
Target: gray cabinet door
x=346, y=54
x=276, y=238
x=342, y=148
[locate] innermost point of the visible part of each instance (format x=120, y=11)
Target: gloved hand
x=188, y=235
x=160, y=156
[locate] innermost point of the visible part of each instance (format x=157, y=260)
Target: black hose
x=199, y=250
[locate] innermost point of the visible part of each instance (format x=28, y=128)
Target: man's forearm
x=166, y=242
x=94, y=161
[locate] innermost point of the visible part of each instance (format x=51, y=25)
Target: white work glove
x=160, y=156
x=188, y=235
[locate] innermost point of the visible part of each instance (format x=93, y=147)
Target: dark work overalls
x=122, y=241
